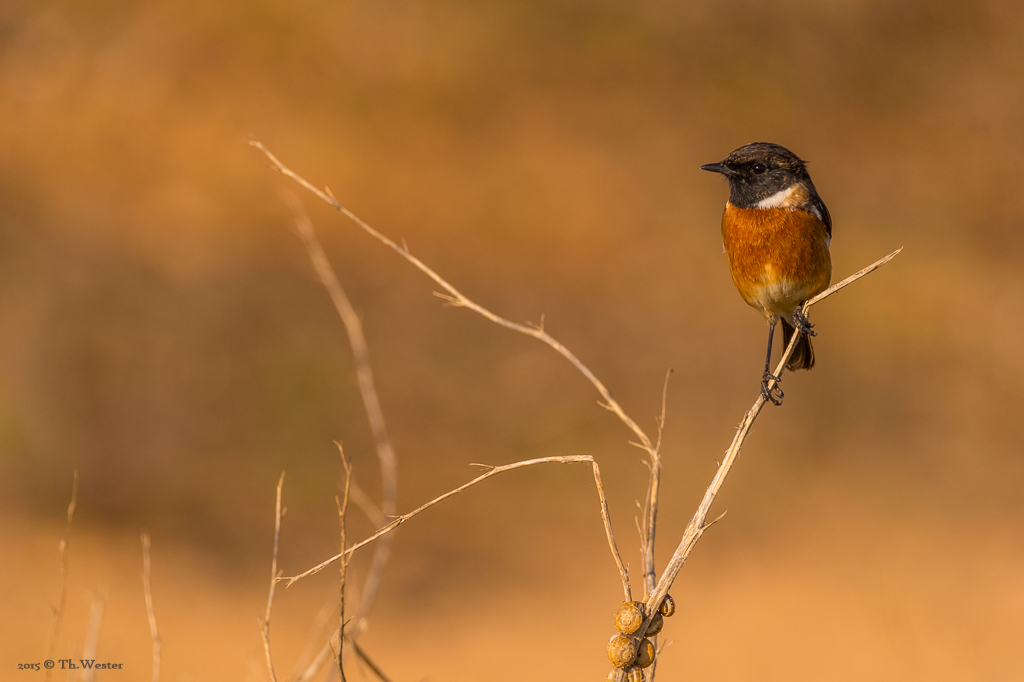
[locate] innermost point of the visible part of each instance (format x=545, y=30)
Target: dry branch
x=318, y=662
x=369, y=662
x=274, y=575
x=457, y=298
x=343, y=570
x=650, y=509
x=492, y=471
x=371, y=401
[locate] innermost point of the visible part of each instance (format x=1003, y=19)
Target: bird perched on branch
x=776, y=232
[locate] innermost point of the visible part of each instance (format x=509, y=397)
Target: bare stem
x=343, y=564
x=492, y=471
x=698, y=523
x=371, y=401
x=457, y=298
x=147, y=588
x=62, y=548
x=274, y=575
x=369, y=662
x=653, y=489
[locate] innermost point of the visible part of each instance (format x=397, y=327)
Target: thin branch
x=343, y=569
x=651, y=510
x=371, y=401
x=62, y=548
x=317, y=663
x=314, y=667
x=147, y=587
x=627, y=592
x=369, y=663
x=664, y=405
x=274, y=575
x=851, y=279
x=490, y=472
x=697, y=525
x=653, y=488
x=457, y=298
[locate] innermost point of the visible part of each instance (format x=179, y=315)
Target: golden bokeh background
x=163, y=333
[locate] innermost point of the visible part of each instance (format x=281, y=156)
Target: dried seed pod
x=622, y=650
x=629, y=617
x=668, y=606
x=657, y=623
x=645, y=654
x=635, y=674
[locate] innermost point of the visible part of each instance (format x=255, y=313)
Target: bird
x=776, y=231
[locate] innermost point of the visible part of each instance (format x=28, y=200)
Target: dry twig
x=650, y=514
x=492, y=471
x=147, y=587
x=371, y=401
x=342, y=512
x=58, y=612
x=274, y=575
x=458, y=299
x=369, y=662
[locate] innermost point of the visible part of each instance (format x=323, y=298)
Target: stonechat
x=776, y=232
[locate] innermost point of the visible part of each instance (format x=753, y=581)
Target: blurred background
x=164, y=334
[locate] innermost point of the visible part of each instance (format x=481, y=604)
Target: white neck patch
x=776, y=200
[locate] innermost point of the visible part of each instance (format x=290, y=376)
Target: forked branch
x=457, y=298
x=493, y=471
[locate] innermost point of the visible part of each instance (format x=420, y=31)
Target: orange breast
x=778, y=257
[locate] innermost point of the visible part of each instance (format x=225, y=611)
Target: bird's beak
x=715, y=168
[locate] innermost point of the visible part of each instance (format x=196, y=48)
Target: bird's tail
x=803, y=354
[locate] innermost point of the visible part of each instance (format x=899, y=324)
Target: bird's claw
x=770, y=393
x=802, y=324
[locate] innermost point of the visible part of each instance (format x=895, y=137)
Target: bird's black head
x=760, y=170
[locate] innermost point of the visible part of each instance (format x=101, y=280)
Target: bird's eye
x=757, y=168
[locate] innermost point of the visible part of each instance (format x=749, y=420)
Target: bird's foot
x=771, y=393
x=802, y=324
